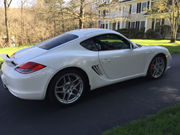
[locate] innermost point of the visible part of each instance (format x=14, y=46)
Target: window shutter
x=148, y=4
x=137, y=8
x=140, y=7
x=129, y=26
x=130, y=9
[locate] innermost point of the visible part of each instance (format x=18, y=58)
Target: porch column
x=146, y=25
x=154, y=23
x=150, y=3
x=120, y=24
x=108, y=24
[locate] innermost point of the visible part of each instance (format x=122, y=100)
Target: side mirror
x=133, y=47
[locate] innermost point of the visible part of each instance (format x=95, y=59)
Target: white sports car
x=65, y=67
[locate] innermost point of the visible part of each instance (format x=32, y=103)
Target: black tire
x=52, y=97
x=151, y=69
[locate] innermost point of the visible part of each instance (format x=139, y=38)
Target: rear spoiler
x=7, y=59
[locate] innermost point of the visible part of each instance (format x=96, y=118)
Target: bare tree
x=44, y=19
x=6, y=6
x=78, y=9
x=22, y=21
x=81, y=14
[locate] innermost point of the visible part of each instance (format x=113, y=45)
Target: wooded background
x=44, y=19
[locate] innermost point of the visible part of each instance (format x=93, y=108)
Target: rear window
x=57, y=41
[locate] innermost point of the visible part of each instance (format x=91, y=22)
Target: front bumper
x=169, y=61
x=26, y=86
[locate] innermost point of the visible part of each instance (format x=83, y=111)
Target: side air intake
x=97, y=69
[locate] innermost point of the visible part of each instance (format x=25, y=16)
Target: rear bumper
x=26, y=86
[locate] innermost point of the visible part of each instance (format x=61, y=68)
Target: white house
x=125, y=14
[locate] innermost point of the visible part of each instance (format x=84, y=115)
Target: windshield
x=57, y=41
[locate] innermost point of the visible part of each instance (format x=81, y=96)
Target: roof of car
x=84, y=32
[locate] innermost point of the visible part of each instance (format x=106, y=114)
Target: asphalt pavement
x=101, y=110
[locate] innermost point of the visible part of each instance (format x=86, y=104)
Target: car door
x=117, y=57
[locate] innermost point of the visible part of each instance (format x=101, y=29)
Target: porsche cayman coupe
x=63, y=68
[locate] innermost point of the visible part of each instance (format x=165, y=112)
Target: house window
x=134, y=8
x=142, y=24
x=133, y=25
x=144, y=6
x=137, y=25
x=127, y=24
x=158, y=22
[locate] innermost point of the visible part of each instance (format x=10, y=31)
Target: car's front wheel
x=157, y=67
x=67, y=87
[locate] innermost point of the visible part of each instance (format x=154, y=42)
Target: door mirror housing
x=133, y=46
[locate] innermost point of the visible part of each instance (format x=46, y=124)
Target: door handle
x=106, y=60
x=116, y=56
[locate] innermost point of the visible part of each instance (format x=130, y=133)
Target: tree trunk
x=173, y=37
x=62, y=16
x=22, y=27
x=6, y=22
x=81, y=15
x=174, y=22
x=54, y=27
x=81, y=24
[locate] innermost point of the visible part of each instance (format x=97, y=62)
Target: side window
x=89, y=44
x=112, y=42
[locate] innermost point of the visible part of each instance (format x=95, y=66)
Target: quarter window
x=57, y=41
x=89, y=44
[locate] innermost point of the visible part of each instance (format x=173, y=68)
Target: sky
x=16, y=3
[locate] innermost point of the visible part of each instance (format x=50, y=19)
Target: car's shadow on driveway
x=108, y=96
x=35, y=105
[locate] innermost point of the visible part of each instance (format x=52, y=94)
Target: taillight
x=29, y=67
x=12, y=55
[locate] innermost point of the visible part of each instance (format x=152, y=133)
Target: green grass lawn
x=174, y=48
x=11, y=50
x=165, y=122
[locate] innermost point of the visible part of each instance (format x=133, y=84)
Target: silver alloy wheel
x=157, y=67
x=69, y=88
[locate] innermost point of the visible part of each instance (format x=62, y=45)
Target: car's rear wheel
x=67, y=87
x=157, y=67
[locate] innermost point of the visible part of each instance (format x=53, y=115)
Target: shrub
x=132, y=33
x=125, y=32
x=139, y=34
x=151, y=34
x=163, y=30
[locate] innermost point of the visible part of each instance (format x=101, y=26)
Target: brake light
x=13, y=54
x=29, y=67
